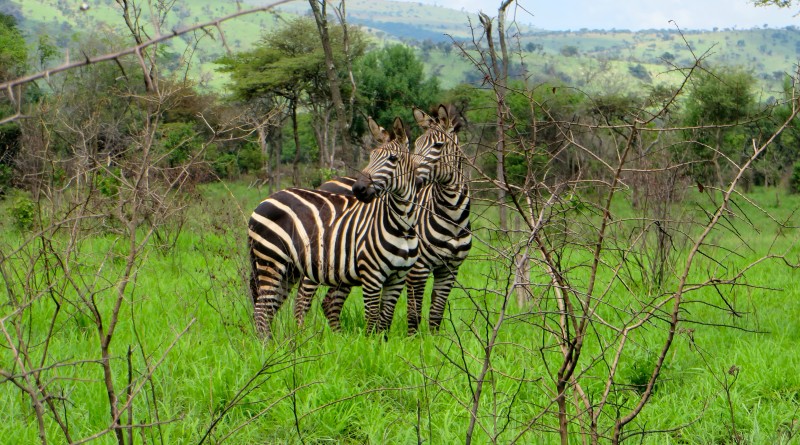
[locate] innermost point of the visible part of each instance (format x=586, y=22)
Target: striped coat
x=366, y=238
x=443, y=227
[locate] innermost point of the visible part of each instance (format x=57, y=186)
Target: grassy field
x=188, y=321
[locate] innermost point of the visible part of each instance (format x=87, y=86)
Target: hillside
x=595, y=60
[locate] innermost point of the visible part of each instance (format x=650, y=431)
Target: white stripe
x=268, y=245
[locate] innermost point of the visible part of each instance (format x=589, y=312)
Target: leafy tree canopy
x=722, y=97
x=391, y=80
x=778, y=3
x=288, y=61
x=13, y=52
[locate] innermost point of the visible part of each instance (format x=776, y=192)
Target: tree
x=319, y=9
x=778, y=3
x=288, y=65
x=716, y=99
x=13, y=57
x=13, y=52
x=392, y=80
x=569, y=51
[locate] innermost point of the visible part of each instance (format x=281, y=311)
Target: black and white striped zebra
x=336, y=240
x=443, y=226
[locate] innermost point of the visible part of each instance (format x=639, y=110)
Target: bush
x=107, y=182
x=225, y=166
x=6, y=175
x=179, y=142
x=794, y=180
x=250, y=159
x=323, y=175
x=23, y=213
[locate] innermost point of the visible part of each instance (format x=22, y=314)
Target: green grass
x=353, y=388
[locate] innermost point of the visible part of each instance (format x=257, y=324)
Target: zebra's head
x=437, y=148
x=390, y=167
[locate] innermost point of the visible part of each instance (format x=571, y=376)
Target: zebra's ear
x=380, y=135
x=444, y=116
x=423, y=120
x=448, y=118
x=400, y=131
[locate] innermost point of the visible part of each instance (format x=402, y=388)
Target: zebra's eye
x=438, y=144
x=392, y=158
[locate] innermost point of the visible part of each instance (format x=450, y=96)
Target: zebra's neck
x=401, y=209
x=451, y=194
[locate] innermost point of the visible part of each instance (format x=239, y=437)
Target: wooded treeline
x=281, y=98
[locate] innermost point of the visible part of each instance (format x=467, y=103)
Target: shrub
x=23, y=213
x=107, y=182
x=794, y=180
x=324, y=175
x=225, y=166
x=250, y=158
x=6, y=175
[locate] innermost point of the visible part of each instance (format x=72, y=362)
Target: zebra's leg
x=302, y=303
x=372, y=303
x=332, y=305
x=443, y=279
x=415, y=288
x=270, y=285
x=391, y=292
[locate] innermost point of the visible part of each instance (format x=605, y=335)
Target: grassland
x=311, y=385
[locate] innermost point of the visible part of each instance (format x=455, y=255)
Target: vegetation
x=636, y=247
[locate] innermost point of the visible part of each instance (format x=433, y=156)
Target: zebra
x=443, y=226
x=366, y=238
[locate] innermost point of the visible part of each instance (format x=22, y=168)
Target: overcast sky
x=636, y=14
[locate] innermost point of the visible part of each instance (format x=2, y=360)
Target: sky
x=636, y=14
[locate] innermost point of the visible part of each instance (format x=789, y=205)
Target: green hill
x=594, y=60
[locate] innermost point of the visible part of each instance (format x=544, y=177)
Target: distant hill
x=594, y=60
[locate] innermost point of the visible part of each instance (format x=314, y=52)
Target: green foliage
x=569, y=51
x=226, y=165
x=519, y=165
x=179, y=142
x=232, y=162
x=794, y=181
x=778, y=3
x=391, y=80
x=640, y=72
x=323, y=175
x=288, y=62
x=13, y=50
x=6, y=176
x=309, y=151
x=46, y=50
x=725, y=96
x=108, y=181
x=23, y=213
x=250, y=158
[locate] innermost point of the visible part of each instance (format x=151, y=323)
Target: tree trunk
x=296, y=163
x=319, y=10
x=499, y=82
x=276, y=140
x=262, y=142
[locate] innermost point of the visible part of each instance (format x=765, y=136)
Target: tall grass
x=311, y=385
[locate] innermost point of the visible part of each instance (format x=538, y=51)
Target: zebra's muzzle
x=364, y=191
